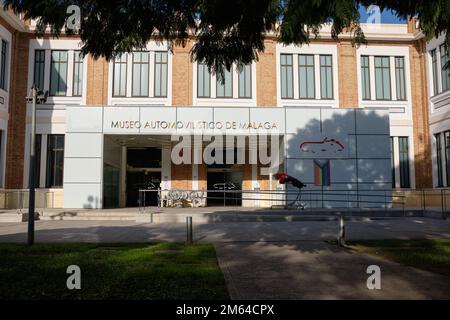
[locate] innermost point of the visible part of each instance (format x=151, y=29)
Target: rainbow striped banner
x=322, y=173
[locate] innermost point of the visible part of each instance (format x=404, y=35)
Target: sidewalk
x=316, y=270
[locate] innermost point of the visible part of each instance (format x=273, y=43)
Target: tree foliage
x=226, y=31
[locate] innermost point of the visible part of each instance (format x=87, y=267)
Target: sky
x=386, y=17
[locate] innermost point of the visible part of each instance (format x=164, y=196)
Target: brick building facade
x=393, y=73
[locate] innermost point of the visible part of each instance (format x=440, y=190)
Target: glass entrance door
x=224, y=187
x=143, y=180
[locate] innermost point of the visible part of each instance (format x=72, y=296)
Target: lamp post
x=37, y=97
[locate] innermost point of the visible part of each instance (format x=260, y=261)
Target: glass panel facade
x=400, y=78
x=55, y=161
x=307, y=76
x=58, y=73
x=365, y=77
x=326, y=76
x=287, y=83
x=383, y=78
x=161, y=67
x=120, y=76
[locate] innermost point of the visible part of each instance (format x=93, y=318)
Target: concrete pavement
x=128, y=231
x=317, y=270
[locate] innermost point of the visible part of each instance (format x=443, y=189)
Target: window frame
x=403, y=74
x=156, y=63
x=51, y=73
x=78, y=65
x=3, y=65
x=393, y=170
x=364, y=69
x=383, y=68
x=440, y=177
x=51, y=154
x=445, y=58
x=140, y=64
x=244, y=67
x=434, y=71
x=292, y=76
x=224, y=96
x=306, y=67
x=115, y=63
x=205, y=71
x=41, y=63
x=404, y=164
x=326, y=67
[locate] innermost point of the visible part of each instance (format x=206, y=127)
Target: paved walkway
x=128, y=231
x=316, y=270
x=285, y=260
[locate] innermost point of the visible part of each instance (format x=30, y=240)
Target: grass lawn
x=431, y=255
x=126, y=271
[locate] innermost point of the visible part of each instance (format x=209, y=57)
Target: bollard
x=189, y=230
x=341, y=239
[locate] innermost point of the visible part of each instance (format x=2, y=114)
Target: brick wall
x=97, y=81
x=348, y=80
x=266, y=75
x=182, y=76
x=15, y=149
x=422, y=143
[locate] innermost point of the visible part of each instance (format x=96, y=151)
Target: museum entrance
x=224, y=187
x=224, y=181
x=143, y=174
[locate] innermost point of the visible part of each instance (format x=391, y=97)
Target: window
x=141, y=75
x=203, y=81
x=225, y=86
x=39, y=68
x=394, y=184
x=400, y=78
x=365, y=78
x=245, y=81
x=120, y=76
x=160, y=74
x=307, y=77
x=55, y=161
x=445, y=72
x=4, y=56
x=37, y=161
x=439, y=159
x=58, y=73
x=326, y=77
x=383, y=78
x=77, y=74
x=404, y=162
x=287, y=83
x=447, y=156
x=434, y=69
